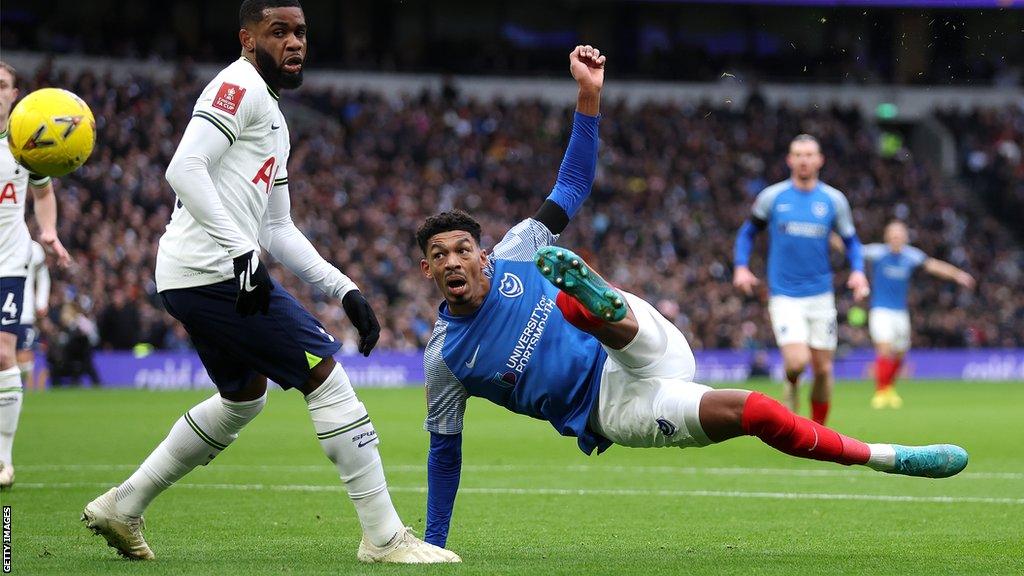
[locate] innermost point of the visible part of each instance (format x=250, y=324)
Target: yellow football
x=51, y=132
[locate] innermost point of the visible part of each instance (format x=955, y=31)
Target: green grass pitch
x=531, y=503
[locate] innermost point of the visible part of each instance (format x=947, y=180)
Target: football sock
x=194, y=440
x=819, y=411
x=10, y=410
x=576, y=314
x=897, y=363
x=781, y=429
x=885, y=370
x=349, y=440
x=25, y=369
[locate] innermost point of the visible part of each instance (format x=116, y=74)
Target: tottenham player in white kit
x=229, y=173
x=892, y=265
x=15, y=255
x=34, y=304
x=531, y=327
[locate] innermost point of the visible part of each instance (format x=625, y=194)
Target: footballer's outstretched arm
x=189, y=175
x=576, y=174
x=45, y=210
x=446, y=407
x=444, y=470
x=947, y=271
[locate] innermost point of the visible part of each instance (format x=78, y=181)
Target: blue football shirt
x=516, y=350
x=799, y=223
x=891, y=272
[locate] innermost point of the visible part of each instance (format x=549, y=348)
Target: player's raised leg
x=726, y=414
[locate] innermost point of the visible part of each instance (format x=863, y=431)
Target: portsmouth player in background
x=799, y=214
x=34, y=306
x=15, y=255
x=892, y=265
x=229, y=174
x=531, y=328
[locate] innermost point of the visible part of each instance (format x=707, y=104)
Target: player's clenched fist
x=586, y=64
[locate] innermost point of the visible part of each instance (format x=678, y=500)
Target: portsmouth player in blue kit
x=892, y=265
x=799, y=215
x=229, y=173
x=530, y=327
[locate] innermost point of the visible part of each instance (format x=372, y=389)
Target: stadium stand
x=674, y=183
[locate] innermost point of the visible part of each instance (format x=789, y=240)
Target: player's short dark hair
x=10, y=70
x=251, y=11
x=447, y=222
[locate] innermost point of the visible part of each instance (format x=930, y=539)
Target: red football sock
x=885, y=371
x=819, y=411
x=897, y=363
x=576, y=314
x=781, y=429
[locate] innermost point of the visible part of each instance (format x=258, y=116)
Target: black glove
x=254, y=285
x=363, y=318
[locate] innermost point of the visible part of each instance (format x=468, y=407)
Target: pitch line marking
x=570, y=492
x=582, y=468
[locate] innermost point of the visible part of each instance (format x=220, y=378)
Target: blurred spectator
x=119, y=323
x=69, y=354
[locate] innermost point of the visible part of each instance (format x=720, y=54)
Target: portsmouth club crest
x=819, y=209
x=511, y=286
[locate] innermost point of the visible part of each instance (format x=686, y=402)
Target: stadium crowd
x=674, y=184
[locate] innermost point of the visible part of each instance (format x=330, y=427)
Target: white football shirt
x=244, y=109
x=15, y=241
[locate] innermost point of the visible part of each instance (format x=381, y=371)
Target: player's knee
x=765, y=417
x=238, y=414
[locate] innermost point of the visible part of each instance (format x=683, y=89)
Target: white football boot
x=405, y=548
x=123, y=533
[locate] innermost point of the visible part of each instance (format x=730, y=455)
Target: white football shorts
x=891, y=327
x=648, y=397
x=808, y=320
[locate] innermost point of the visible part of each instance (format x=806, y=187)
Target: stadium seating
x=674, y=184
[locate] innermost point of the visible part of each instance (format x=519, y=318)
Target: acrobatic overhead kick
x=531, y=327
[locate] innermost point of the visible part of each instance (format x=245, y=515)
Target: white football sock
x=349, y=440
x=25, y=368
x=194, y=440
x=10, y=410
x=883, y=457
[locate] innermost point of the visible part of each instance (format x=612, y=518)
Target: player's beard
x=274, y=73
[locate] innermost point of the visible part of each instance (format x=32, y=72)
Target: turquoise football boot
x=571, y=275
x=934, y=461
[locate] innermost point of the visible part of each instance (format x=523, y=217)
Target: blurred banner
x=183, y=370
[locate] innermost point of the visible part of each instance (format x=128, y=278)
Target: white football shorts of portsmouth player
x=15, y=257
x=530, y=327
x=230, y=176
x=892, y=266
x=799, y=214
